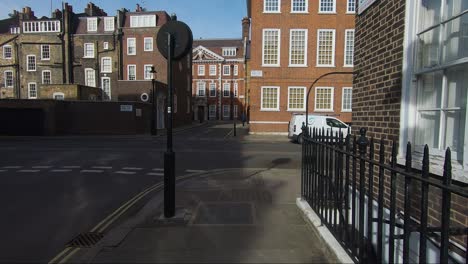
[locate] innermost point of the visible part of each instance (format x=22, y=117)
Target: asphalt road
x=55, y=188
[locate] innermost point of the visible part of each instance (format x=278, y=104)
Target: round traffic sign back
x=181, y=35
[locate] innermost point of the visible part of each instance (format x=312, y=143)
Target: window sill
x=296, y=110
x=348, y=66
x=271, y=65
x=346, y=111
x=45, y=59
x=325, y=66
x=271, y=12
x=327, y=13
x=88, y=57
x=147, y=50
x=270, y=110
x=324, y=111
x=436, y=165
x=300, y=12
x=297, y=66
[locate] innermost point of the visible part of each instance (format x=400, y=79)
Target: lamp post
x=154, y=130
x=232, y=98
x=312, y=85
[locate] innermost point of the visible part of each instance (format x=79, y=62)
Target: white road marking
x=158, y=169
x=12, y=167
x=102, y=167
x=29, y=170
x=155, y=174
x=71, y=167
x=91, y=171
x=125, y=172
x=61, y=170
x=195, y=171
x=41, y=167
x=131, y=168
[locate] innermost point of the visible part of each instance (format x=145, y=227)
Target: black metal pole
x=169, y=156
x=153, y=110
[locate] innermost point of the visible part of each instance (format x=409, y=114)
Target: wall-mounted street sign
x=364, y=4
x=126, y=108
x=256, y=73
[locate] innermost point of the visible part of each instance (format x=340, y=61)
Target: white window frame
x=31, y=67
x=106, y=45
x=45, y=53
x=210, y=108
x=134, y=47
x=35, y=90
x=106, y=96
x=226, y=88
x=229, y=52
x=226, y=114
x=103, y=65
x=347, y=31
x=212, y=70
x=305, y=47
x=212, y=85
x=87, y=80
x=6, y=79
x=148, y=75
x=92, y=24
x=142, y=21
x=128, y=72
x=277, y=99
x=85, y=50
x=412, y=74
x=348, y=11
x=5, y=52
x=54, y=95
x=109, y=24
x=333, y=47
x=236, y=70
x=236, y=90
x=332, y=93
x=201, y=86
x=303, y=108
x=201, y=70
x=278, y=50
x=267, y=11
x=236, y=109
x=343, y=109
x=326, y=12
x=228, y=72
x=150, y=39
x=300, y=12
x=50, y=76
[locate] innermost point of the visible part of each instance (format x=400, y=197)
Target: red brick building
x=139, y=53
x=293, y=42
x=218, y=81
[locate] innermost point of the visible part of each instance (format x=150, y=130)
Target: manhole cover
x=85, y=240
x=224, y=214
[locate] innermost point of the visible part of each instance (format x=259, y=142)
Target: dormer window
x=229, y=52
x=143, y=21
x=109, y=24
x=92, y=24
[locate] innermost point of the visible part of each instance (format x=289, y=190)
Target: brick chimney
x=138, y=8
x=93, y=10
x=245, y=28
x=27, y=14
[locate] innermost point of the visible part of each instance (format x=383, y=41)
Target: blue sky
x=206, y=18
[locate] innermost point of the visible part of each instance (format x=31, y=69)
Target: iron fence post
x=362, y=142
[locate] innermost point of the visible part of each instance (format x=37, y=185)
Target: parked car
x=315, y=121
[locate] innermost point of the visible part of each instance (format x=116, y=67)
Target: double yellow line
x=68, y=252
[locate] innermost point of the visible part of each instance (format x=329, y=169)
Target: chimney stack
x=245, y=28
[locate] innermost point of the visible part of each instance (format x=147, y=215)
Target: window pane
x=271, y=6
x=298, y=46
x=430, y=13
x=270, y=47
x=296, y=98
x=326, y=42
x=456, y=45
x=426, y=132
x=270, y=98
x=299, y=5
x=430, y=91
x=327, y=6
x=349, y=48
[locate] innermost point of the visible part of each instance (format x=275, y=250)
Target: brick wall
x=285, y=76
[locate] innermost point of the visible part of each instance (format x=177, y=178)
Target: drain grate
x=85, y=240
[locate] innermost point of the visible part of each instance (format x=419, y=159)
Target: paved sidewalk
x=236, y=216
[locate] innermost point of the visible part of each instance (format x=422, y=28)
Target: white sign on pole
x=364, y=4
x=126, y=108
x=256, y=73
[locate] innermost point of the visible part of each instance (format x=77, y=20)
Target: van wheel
x=300, y=139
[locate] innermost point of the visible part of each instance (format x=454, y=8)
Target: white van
x=315, y=121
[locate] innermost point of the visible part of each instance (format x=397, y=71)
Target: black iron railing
x=378, y=210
